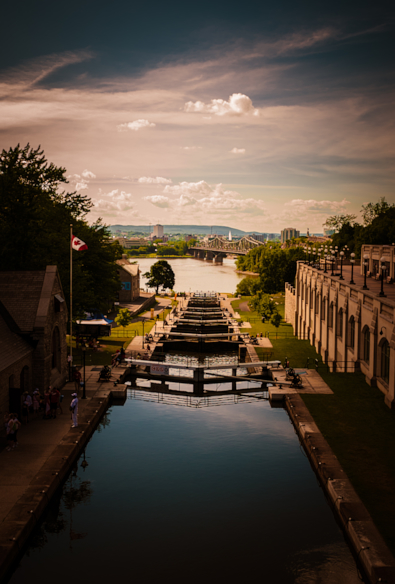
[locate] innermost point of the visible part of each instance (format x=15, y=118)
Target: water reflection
x=192, y=275
x=192, y=495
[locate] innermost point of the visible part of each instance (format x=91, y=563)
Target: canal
x=219, y=491
x=193, y=275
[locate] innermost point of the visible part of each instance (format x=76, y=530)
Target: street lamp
x=365, y=269
x=143, y=330
x=383, y=269
x=83, y=387
x=332, y=260
x=325, y=258
x=352, y=261
x=341, y=265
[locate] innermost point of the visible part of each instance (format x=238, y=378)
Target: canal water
x=220, y=491
x=193, y=275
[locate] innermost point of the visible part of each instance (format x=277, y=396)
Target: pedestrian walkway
x=39, y=438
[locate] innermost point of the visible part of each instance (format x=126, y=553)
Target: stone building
x=33, y=323
x=129, y=275
x=350, y=323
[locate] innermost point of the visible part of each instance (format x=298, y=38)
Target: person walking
x=74, y=410
x=54, y=400
x=36, y=402
x=47, y=403
x=77, y=379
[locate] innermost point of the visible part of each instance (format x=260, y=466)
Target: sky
x=259, y=116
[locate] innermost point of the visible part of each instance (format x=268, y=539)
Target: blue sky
x=259, y=116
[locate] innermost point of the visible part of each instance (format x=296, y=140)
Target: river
x=190, y=495
x=194, y=275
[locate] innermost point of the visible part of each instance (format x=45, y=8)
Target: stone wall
x=290, y=305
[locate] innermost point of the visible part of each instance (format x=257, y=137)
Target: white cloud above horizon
x=237, y=151
x=135, y=126
x=238, y=105
x=159, y=180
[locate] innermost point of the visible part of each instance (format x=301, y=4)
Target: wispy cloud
x=159, y=180
x=135, y=126
x=237, y=151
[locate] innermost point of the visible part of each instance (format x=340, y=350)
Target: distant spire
x=230, y=235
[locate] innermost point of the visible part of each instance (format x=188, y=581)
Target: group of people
x=118, y=357
x=36, y=403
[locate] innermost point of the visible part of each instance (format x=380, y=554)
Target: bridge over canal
x=218, y=248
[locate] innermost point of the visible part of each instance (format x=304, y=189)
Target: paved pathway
x=38, y=439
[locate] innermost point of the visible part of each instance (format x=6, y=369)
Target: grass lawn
x=360, y=429
x=357, y=424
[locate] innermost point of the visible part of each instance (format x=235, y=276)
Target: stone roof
x=132, y=269
x=13, y=346
x=20, y=293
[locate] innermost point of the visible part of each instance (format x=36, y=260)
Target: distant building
x=133, y=242
x=289, y=233
x=129, y=275
x=158, y=231
x=259, y=237
x=189, y=237
x=329, y=232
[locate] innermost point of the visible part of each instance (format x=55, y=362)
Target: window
x=339, y=330
x=330, y=315
x=323, y=308
x=366, y=345
x=385, y=361
x=24, y=379
x=125, y=285
x=352, y=333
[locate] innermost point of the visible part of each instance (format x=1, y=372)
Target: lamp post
x=143, y=331
x=341, y=265
x=352, y=261
x=365, y=269
x=332, y=261
x=383, y=269
x=325, y=270
x=83, y=387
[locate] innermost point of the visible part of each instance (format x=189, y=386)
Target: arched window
x=351, y=336
x=56, y=349
x=339, y=330
x=366, y=345
x=385, y=361
x=330, y=315
x=11, y=382
x=323, y=308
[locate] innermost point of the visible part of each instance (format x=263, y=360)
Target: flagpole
x=71, y=298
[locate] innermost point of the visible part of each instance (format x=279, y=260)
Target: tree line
x=35, y=216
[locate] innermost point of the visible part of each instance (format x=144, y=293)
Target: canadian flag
x=77, y=244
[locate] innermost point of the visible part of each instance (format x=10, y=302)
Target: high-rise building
x=158, y=231
x=289, y=233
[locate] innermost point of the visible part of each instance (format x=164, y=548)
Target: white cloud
x=238, y=105
x=88, y=174
x=159, y=180
x=201, y=197
x=191, y=147
x=79, y=183
x=136, y=125
x=237, y=151
x=113, y=202
x=302, y=206
x=159, y=201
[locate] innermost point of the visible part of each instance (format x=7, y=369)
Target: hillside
x=182, y=229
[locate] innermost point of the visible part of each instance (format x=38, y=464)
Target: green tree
x=247, y=286
x=337, y=221
x=124, y=317
x=35, y=218
x=372, y=210
x=160, y=275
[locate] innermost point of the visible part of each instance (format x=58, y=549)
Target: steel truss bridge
x=218, y=248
